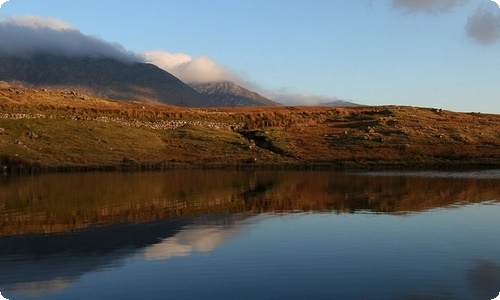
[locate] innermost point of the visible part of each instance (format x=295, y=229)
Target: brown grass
x=61, y=129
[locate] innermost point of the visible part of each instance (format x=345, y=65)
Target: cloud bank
x=484, y=25
x=24, y=36
x=428, y=6
x=191, y=69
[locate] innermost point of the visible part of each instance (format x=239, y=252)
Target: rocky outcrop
x=229, y=94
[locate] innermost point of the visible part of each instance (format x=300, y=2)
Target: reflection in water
x=60, y=203
x=201, y=238
x=483, y=174
x=40, y=287
x=70, y=226
x=60, y=259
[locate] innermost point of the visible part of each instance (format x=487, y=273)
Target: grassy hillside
x=53, y=129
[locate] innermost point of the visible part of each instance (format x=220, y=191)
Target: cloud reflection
x=37, y=288
x=192, y=239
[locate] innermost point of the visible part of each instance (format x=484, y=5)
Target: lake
x=209, y=234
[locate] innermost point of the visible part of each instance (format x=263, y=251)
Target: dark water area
x=210, y=234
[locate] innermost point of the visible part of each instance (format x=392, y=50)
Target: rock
x=32, y=135
x=2, y=130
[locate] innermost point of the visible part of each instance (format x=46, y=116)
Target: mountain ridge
x=100, y=77
x=113, y=79
x=228, y=93
x=337, y=103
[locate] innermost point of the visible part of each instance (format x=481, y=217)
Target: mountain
x=101, y=77
x=309, y=100
x=228, y=93
x=339, y=103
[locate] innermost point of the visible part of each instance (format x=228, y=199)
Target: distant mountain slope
x=101, y=77
x=339, y=103
x=227, y=93
x=309, y=100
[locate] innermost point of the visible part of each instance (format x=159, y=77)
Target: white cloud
x=428, y=6
x=497, y=2
x=35, y=22
x=484, y=25
x=166, y=60
x=2, y=2
x=24, y=36
x=191, y=69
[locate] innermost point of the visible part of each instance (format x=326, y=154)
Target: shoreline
x=297, y=166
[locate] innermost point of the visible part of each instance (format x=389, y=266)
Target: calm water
x=251, y=235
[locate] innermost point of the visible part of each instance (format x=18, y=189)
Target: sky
x=429, y=53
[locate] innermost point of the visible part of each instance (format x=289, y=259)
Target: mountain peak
x=228, y=93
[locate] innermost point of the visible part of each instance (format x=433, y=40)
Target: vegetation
x=64, y=130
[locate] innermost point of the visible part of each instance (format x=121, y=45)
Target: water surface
x=247, y=235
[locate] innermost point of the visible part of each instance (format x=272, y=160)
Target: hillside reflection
x=66, y=202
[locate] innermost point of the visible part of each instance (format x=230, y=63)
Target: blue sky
x=431, y=53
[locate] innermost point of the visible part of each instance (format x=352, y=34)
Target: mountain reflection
x=60, y=259
x=36, y=264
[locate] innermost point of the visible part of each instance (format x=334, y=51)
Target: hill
x=54, y=130
x=100, y=77
x=340, y=103
x=229, y=94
